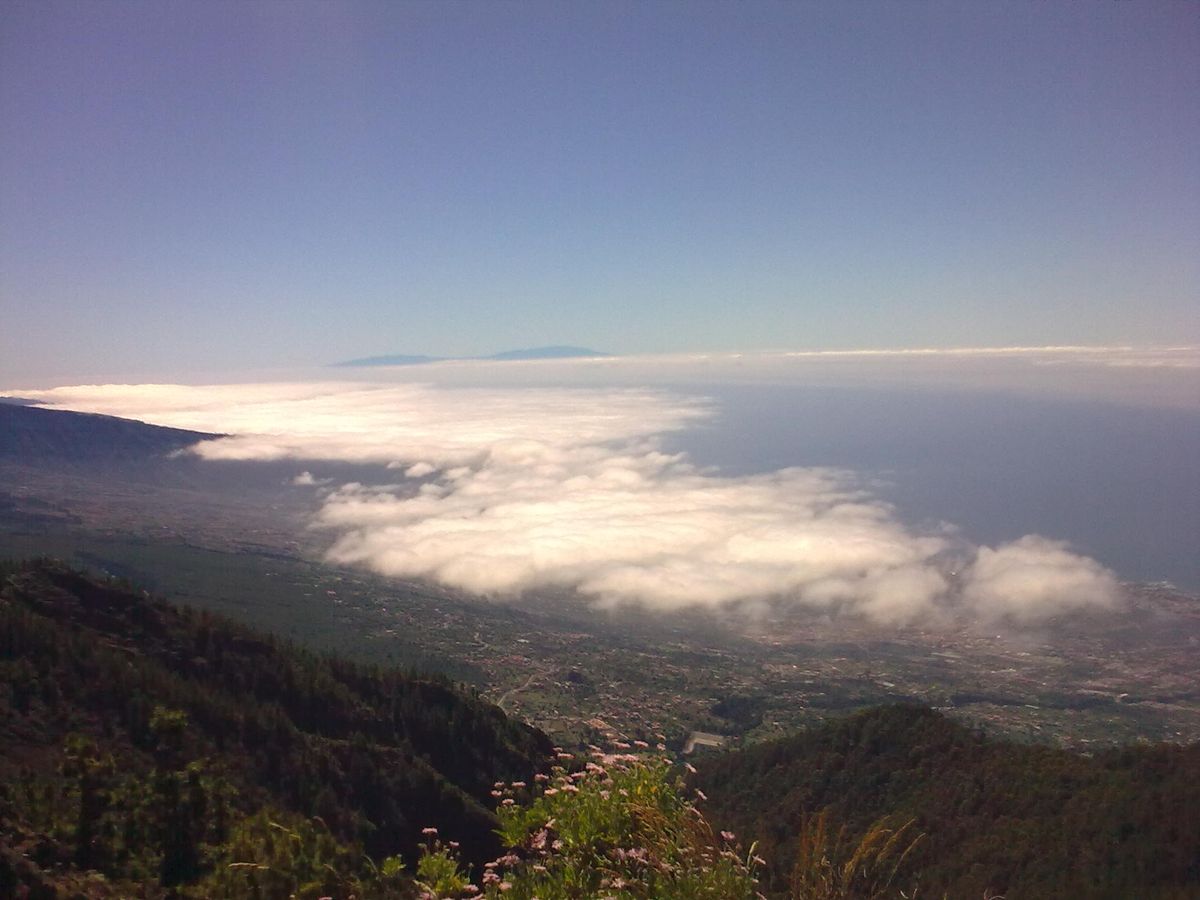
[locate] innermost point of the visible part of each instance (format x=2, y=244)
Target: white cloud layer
x=502, y=491
x=306, y=479
x=1159, y=377
x=1030, y=579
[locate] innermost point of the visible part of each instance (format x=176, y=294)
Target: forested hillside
x=1018, y=820
x=152, y=751
x=139, y=739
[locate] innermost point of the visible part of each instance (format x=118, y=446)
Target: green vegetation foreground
x=141, y=741
x=151, y=751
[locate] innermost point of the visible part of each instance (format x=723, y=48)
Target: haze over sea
x=1120, y=483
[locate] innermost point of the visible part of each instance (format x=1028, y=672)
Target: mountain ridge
x=531, y=353
x=998, y=817
x=29, y=432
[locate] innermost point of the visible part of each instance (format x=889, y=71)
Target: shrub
x=621, y=827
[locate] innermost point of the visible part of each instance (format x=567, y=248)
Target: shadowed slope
x=1028, y=821
x=377, y=753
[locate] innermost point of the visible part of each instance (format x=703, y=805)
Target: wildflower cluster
x=438, y=873
x=619, y=826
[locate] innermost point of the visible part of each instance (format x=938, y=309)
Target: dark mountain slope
x=1020, y=820
x=32, y=435
x=376, y=754
x=83, y=472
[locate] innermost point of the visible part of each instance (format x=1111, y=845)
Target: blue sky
x=224, y=186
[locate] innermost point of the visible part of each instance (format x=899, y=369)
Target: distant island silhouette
x=555, y=352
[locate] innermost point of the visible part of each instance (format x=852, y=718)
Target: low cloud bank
x=1032, y=578
x=503, y=491
x=640, y=525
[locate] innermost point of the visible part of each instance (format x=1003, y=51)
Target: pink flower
x=428, y=831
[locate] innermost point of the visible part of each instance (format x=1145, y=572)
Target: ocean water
x=1120, y=483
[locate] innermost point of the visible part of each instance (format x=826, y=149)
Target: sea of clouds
x=501, y=490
